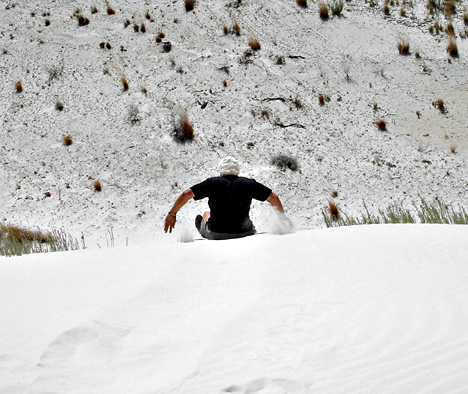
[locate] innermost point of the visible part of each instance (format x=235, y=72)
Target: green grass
x=16, y=241
x=434, y=211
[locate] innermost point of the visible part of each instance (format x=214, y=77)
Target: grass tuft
x=381, y=125
x=67, y=141
x=254, y=44
x=124, y=84
x=452, y=48
x=183, y=129
x=97, y=186
x=324, y=12
x=284, y=162
x=189, y=5
x=18, y=87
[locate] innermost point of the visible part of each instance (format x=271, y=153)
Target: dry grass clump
x=148, y=15
x=322, y=99
x=183, y=129
x=452, y=48
x=284, y=162
x=97, y=186
x=225, y=84
x=302, y=3
x=94, y=10
x=67, y=141
x=160, y=37
x=333, y=210
x=324, y=12
x=386, y=9
x=47, y=22
x=403, y=46
x=254, y=44
x=110, y=10
x=440, y=105
x=18, y=87
x=189, y=5
x=381, y=125
x=22, y=235
x=143, y=28
x=124, y=83
x=336, y=7
x=465, y=18
x=453, y=148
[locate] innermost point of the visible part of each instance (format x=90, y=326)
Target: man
x=229, y=199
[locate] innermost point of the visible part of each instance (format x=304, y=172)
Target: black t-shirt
x=230, y=197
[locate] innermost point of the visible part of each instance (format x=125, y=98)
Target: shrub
x=322, y=99
x=143, y=28
x=225, y=84
x=453, y=148
x=136, y=28
x=189, y=5
x=183, y=129
x=452, y=48
x=124, y=84
x=333, y=211
x=18, y=87
x=97, y=186
x=254, y=44
x=160, y=37
x=47, y=22
x=381, y=125
x=450, y=30
x=386, y=9
x=403, y=46
x=110, y=10
x=323, y=11
x=465, y=18
x=440, y=105
x=59, y=106
x=334, y=194
x=167, y=46
x=236, y=28
x=134, y=115
x=94, y=10
x=16, y=241
x=336, y=7
x=127, y=23
x=302, y=3
x=147, y=15
x=284, y=162
x=67, y=141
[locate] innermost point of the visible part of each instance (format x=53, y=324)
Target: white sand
x=369, y=309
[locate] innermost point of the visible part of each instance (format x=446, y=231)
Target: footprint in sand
x=95, y=343
x=269, y=386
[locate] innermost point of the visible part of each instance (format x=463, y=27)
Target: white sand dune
x=368, y=309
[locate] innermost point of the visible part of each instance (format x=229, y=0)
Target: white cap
x=228, y=166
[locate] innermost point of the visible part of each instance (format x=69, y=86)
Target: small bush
x=323, y=12
x=59, y=106
x=440, y=105
x=127, y=23
x=452, y=48
x=336, y=7
x=189, y=5
x=94, y=10
x=386, y=9
x=136, y=28
x=124, y=84
x=47, y=22
x=225, y=84
x=110, y=11
x=167, y=46
x=183, y=129
x=302, y=3
x=143, y=28
x=284, y=162
x=160, y=37
x=16, y=241
x=381, y=125
x=97, y=186
x=67, y=141
x=254, y=44
x=18, y=87
x=403, y=46
x=148, y=15
x=333, y=211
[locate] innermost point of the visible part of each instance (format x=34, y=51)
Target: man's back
x=230, y=197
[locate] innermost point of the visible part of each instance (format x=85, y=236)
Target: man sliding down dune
x=229, y=199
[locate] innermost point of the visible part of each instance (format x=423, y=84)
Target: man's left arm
x=171, y=217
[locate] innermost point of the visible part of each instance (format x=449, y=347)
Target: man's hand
x=170, y=223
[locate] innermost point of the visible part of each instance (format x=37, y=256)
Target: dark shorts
x=208, y=234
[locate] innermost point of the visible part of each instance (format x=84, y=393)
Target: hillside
x=124, y=138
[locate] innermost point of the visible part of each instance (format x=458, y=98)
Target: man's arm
x=180, y=202
x=274, y=200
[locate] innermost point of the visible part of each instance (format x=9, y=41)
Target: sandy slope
x=143, y=169
x=369, y=309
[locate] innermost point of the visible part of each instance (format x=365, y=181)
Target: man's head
x=228, y=166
